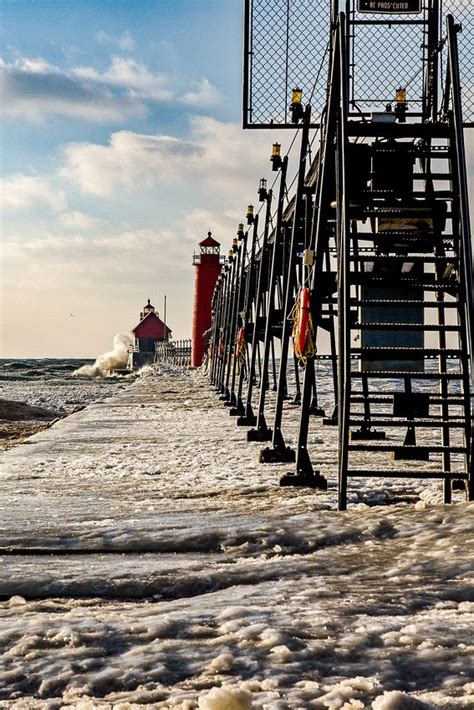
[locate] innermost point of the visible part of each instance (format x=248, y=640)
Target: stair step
x=394, y=351
x=430, y=423
x=424, y=176
x=414, y=375
x=381, y=258
x=440, y=194
x=407, y=303
x=433, y=176
x=398, y=130
x=404, y=212
x=405, y=235
x=433, y=449
x=398, y=280
x=435, y=399
x=387, y=473
x=406, y=326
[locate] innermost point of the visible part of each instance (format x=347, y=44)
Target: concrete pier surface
x=148, y=559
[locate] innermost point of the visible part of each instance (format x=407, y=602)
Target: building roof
x=209, y=241
x=153, y=325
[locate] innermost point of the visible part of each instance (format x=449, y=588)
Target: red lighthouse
x=208, y=268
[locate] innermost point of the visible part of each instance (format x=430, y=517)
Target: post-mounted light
x=401, y=104
x=275, y=158
x=296, y=106
x=250, y=214
x=262, y=190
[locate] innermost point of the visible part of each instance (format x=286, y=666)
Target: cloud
x=131, y=75
x=220, y=155
x=202, y=93
x=23, y=192
x=78, y=221
x=129, y=160
x=124, y=41
x=34, y=89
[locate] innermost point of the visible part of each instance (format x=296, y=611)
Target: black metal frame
x=258, y=288
x=264, y=35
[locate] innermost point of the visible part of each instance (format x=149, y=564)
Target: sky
x=121, y=146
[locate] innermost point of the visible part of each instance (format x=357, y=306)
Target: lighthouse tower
x=208, y=268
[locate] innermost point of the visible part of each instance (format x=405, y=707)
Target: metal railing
x=174, y=352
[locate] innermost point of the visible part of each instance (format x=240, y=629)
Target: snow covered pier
x=147, y=560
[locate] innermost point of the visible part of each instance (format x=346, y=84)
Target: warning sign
x=391, y=7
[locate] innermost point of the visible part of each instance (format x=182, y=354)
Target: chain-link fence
x=287, y=43
x=286, y=49
x=463, y=13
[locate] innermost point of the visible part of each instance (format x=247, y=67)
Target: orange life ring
x=303, y=316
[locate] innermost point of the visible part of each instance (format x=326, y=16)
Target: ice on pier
x=148, y=559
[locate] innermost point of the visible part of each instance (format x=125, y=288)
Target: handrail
x=173, y=352
x=465, y=231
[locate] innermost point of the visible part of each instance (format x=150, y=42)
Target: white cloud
x=219, y=155
x=34, y=89
x=104, y=281
x=23, y=192
x=201, y=94
x=131, y=75
x=124, y=41
x=130, y=160
x=79, y=221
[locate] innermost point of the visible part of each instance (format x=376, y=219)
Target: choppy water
x=42, y=368
x=51, y=383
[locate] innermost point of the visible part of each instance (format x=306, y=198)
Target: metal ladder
x=414, y=262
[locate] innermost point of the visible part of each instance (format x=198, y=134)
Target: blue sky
x=121, y=146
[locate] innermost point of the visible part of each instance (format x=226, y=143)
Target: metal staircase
x=405, y=294
x=376, y=239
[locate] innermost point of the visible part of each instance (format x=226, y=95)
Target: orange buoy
x=303, y=316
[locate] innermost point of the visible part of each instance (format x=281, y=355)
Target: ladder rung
x=433, y=176
x=364, y=423
x=398, y=130
x=406, y=326
x=410, y=239
x=414, y=375
x=402, y=212
x=403, y=258
x=448, y=475
x=424, y=176
x=388, y=350
x=435, y=399
x=397, y=280
x=409, y=302
x=446, y=194
x=435, y=449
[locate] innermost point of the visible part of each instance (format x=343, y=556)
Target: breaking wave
x=113, y=360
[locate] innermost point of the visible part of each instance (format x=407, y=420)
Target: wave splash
x=113, y=360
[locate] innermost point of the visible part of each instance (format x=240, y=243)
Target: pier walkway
x=147, y=557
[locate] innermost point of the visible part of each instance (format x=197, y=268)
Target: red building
x=149, y=331
x=208, y=268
